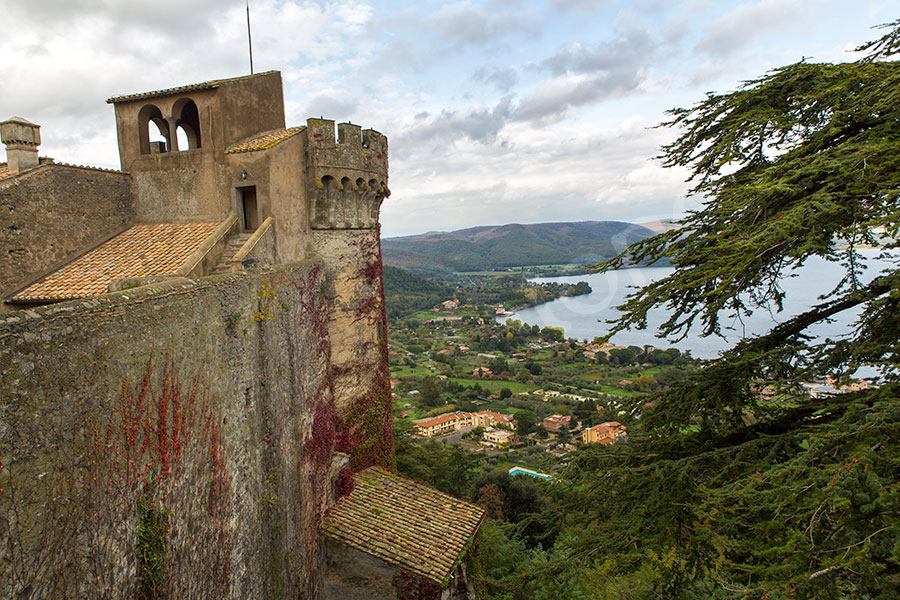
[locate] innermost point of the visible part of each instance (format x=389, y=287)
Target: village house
x=555, y=422
x=604, y=433
x=450, y=423
x=497, y=437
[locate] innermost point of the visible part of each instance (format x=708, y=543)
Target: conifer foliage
x=726, y=495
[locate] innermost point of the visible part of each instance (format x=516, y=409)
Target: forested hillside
x=405, y=292
x=514, y=245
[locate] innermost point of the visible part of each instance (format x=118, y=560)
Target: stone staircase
x=231, y=248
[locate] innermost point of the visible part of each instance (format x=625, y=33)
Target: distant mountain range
x=513, y=245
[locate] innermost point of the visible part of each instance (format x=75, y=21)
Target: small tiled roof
x=266, y=140
x=140, y=251
x=206, y=85
x=406, y=523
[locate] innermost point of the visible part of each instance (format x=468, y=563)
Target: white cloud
x=737, y=28
x=496, y=110
x=562, y=173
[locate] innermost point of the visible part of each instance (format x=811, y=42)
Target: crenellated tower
x=347, y=180
x=348, y=175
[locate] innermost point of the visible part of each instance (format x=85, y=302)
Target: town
x=523, y=395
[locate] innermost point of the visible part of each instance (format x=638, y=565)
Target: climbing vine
x=370, y=413
x=158, y=468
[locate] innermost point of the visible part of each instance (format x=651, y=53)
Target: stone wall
x=52, y=213
x=357, y=329
x=178, y=187
x=178, y=436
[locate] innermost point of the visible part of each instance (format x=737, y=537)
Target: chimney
x=22, y=139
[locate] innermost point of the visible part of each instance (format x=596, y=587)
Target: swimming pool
x=529, y=472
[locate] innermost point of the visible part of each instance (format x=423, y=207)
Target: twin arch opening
x=178, y=132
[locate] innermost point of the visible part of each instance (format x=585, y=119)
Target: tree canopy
x=802, y=162
x=726, y=493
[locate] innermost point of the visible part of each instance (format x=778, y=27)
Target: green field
x=427, y=315
x=407, y=371
x=495, y=386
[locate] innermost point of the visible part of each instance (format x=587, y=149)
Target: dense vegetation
x=513, y=290
x=718, y=493
x=488, y=248
x=405, y=292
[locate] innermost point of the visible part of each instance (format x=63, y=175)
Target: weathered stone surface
x=253, y=343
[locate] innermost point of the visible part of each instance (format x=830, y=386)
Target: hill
x=513, y=245
x=405, y=293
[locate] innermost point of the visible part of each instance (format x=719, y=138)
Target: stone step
x=231, y=248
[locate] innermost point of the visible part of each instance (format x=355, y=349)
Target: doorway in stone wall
x=249, y=208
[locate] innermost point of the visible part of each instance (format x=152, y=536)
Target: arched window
x=183, y=142
x=187, y=118
x=152, y=129
x=324, y=202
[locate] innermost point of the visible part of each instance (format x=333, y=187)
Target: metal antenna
x=249, y=39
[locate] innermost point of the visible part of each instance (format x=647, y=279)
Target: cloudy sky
x=497, y=111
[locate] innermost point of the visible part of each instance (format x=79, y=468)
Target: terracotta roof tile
x=404, y=522
x=461, y=415
x=142, y=250
x=266, y=140
x=497, y=416
x=440, y=419
x=206, y=85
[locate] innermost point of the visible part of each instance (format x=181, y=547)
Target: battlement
x=352, y=148
x=348, y=174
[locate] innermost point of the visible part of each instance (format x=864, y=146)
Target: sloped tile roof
x=406, y=523
x=441, y=419
x=266, y=140
x=140, y=251
x=206, y=85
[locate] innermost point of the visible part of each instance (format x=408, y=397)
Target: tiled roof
x=406, y=523
x=440, y=419
x=140, y=251
x=459, y=415
x=497, y=416
x=5, y=173
x=266, y=140
x=206, y=85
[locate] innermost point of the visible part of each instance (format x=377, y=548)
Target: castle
x=194, y=395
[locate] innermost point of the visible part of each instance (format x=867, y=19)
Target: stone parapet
x=348, y=175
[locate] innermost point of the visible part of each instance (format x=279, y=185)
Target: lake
x=583, y=317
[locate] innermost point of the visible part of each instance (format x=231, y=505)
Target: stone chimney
x=22, y=139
